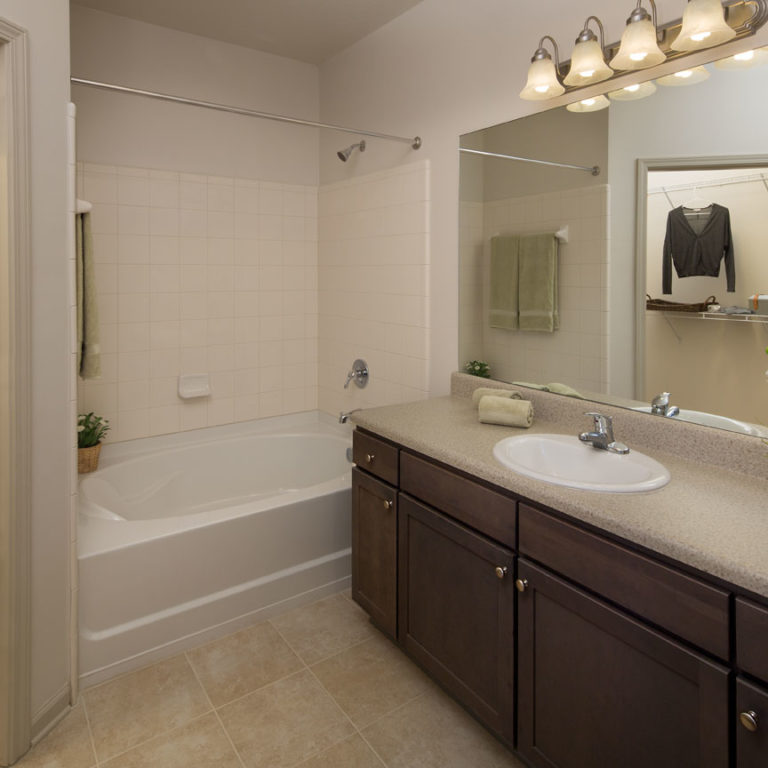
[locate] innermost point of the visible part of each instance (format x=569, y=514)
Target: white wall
x=47, y=24
x=445, y=68
x=120, y=129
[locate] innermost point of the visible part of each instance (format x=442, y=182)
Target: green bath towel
x=88, y=352
x=538, y=283
x=503, y=277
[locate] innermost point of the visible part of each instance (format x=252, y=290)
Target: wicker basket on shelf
x=677, y=306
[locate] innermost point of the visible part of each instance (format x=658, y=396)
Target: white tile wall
x=373, y=287
x=577, y=353
x=201, y=274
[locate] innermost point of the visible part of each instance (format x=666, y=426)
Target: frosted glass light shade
x=744, y=60
x=594, y=104
x=639, y=48
x=684, y=77
x=542, y=81
x=704, y=25
x=634, y=92
x=587, y=64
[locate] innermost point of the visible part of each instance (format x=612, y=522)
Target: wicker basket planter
x=88, y=458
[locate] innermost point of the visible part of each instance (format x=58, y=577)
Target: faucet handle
x=603, y=423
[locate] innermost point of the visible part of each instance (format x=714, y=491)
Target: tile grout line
x=90, y=731
x=215, y=711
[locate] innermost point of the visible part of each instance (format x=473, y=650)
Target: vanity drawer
x=681, y=604
x=469, y=502
x=375, y=455
x=752, y=638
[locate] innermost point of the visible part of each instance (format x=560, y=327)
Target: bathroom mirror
x=709, y=132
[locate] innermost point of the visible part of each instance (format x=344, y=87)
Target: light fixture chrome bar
x=593, y=169
x=415, y=142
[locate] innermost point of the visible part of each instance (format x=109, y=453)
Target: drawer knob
x=388, y=503
x=369, y=457
x=501, y=571
x=521, y=585
x=749, y=720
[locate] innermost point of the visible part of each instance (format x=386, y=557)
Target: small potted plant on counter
x=90, y=431
x=478, y=368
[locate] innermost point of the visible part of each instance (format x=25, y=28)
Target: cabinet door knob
x=501, y=571
x=388, y=503
x=521, y=585
x=369, y=457
x=749, y=720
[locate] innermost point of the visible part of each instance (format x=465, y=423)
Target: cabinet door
x=597, y=688
x=456, y=596
x=374, y=549
x=752, y=725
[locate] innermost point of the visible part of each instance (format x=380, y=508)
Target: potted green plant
x=478, y=368
x=90, y=431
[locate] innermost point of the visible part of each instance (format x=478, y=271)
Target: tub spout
x=344, y=415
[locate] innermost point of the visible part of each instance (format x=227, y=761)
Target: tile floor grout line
x=90, y=731
x=215, y=712
x=152, y=738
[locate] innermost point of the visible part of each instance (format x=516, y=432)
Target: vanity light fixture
x=639, y=47
x=543, y=82
x=704, y=26
x=593, y=104
x=744, y=60
x=645, y=44
x=633, y=92
x=588, y=58
x=685, y=77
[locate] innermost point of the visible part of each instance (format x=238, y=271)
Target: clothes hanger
x=696, y=204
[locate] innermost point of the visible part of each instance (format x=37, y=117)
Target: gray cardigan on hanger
x=698, y=251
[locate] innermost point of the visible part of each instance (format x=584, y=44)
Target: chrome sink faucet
x=602, y=435
x=661, y=407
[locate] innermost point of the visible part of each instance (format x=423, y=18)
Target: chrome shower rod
x=593, y=169
x=415, y=142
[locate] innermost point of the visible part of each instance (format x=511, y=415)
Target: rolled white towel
x=510, y=412
x=482, y=391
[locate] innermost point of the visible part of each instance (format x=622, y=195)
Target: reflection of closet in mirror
x=499, y=197
x=712, y=363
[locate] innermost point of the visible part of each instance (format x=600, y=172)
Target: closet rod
x=707, y=184
x=593, y=169
x=415, y=142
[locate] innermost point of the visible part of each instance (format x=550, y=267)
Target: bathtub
x=187, y=537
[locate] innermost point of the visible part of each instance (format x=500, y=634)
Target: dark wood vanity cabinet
x=621, y=659
x=597, y=687
x=456, y=608
x=374, y=550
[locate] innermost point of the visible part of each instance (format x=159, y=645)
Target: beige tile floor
x=318, y=687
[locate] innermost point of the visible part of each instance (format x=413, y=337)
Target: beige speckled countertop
x=710, y=517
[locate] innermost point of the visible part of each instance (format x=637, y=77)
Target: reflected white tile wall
x=577, y=353
x=201, y=274
x=373, y=287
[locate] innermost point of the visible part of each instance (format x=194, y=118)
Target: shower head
x=343, y=154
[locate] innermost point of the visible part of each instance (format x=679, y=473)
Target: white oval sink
x=565, y=460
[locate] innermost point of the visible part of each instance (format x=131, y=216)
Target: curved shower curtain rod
x=593, y=169
x=415, y=142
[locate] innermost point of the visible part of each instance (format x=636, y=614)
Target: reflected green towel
x=504, y=281
x=563, y=389
x=88, y=351
x=538, y=283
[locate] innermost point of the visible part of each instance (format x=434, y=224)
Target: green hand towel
x=88, y=351
x=538, y=283
x=504, y=283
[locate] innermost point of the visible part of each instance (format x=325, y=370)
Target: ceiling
x=307, y=30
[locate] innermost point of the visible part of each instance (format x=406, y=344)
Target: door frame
x=15, y=402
